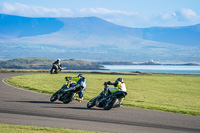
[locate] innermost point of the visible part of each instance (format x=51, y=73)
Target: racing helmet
x=80, y=75
x=58, y=59
x=119, y=80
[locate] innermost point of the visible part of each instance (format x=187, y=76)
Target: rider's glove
x=69, y=78
x=110, y=82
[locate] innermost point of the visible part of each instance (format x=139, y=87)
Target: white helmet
x=58, y=59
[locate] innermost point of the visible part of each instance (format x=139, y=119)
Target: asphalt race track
x=21, y=107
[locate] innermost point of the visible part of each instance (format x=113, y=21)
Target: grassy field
x=4, y=128
x=171, y=93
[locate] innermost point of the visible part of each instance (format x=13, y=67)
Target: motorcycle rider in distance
x=56, y=66
x=58, y=63
x=81, y=84
x=119, y=86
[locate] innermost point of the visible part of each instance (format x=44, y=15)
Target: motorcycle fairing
x=113, y=90
x=120, y=94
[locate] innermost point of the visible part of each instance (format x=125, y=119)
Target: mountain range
x=92, y=38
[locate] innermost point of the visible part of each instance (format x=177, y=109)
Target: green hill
x=43, y=63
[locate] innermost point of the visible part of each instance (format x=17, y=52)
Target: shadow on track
x=81, y=108
x=44, y=102
x=48, y=102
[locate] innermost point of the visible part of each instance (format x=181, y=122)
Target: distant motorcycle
x=66, y=94
x=55, y=69
x=109, y=101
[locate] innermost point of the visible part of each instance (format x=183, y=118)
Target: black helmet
x=120, y=80
x=80, y=75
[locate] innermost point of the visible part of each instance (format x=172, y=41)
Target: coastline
x=88, y=71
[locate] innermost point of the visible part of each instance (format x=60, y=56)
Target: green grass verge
x=4, y=128
x=171, y=93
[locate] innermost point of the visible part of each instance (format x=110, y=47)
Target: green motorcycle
x=107, y=101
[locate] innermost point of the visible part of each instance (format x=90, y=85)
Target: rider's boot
x=78, y=99
x=120, y=103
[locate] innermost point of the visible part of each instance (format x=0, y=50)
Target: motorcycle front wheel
x=91, y=103
x=111, y=104
x=54, y=97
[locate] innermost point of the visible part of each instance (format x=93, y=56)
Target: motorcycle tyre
x=54, y=97
x=56, y=71
x=98, y=104
x=91, y=103
x=111, y=104
x=69, y=99
x=51, y=71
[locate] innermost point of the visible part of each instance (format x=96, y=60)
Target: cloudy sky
x=131, y=13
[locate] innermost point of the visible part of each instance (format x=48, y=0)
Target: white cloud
x=39, y=11
x=34, y=11
x=104, y=11
x=182, y=15
x=177, y=18
x=167, y=16
x=130, y=19
x=187, y=14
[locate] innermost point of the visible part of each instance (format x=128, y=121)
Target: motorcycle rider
x=81, y=84
x=119, y=86
x=58, y=63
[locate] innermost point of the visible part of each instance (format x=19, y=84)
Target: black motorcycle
x=55, y=69
x=111, y=100
x=66, y=94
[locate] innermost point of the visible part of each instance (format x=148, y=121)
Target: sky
x=130, y=13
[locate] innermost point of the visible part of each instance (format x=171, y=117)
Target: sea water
x=179, y=69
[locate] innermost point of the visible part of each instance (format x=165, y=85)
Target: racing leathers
x=118, y=86
x=58, y=64
x=81, y=84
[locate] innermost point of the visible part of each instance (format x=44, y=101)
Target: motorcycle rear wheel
x=68, y=99
x=111, y=104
